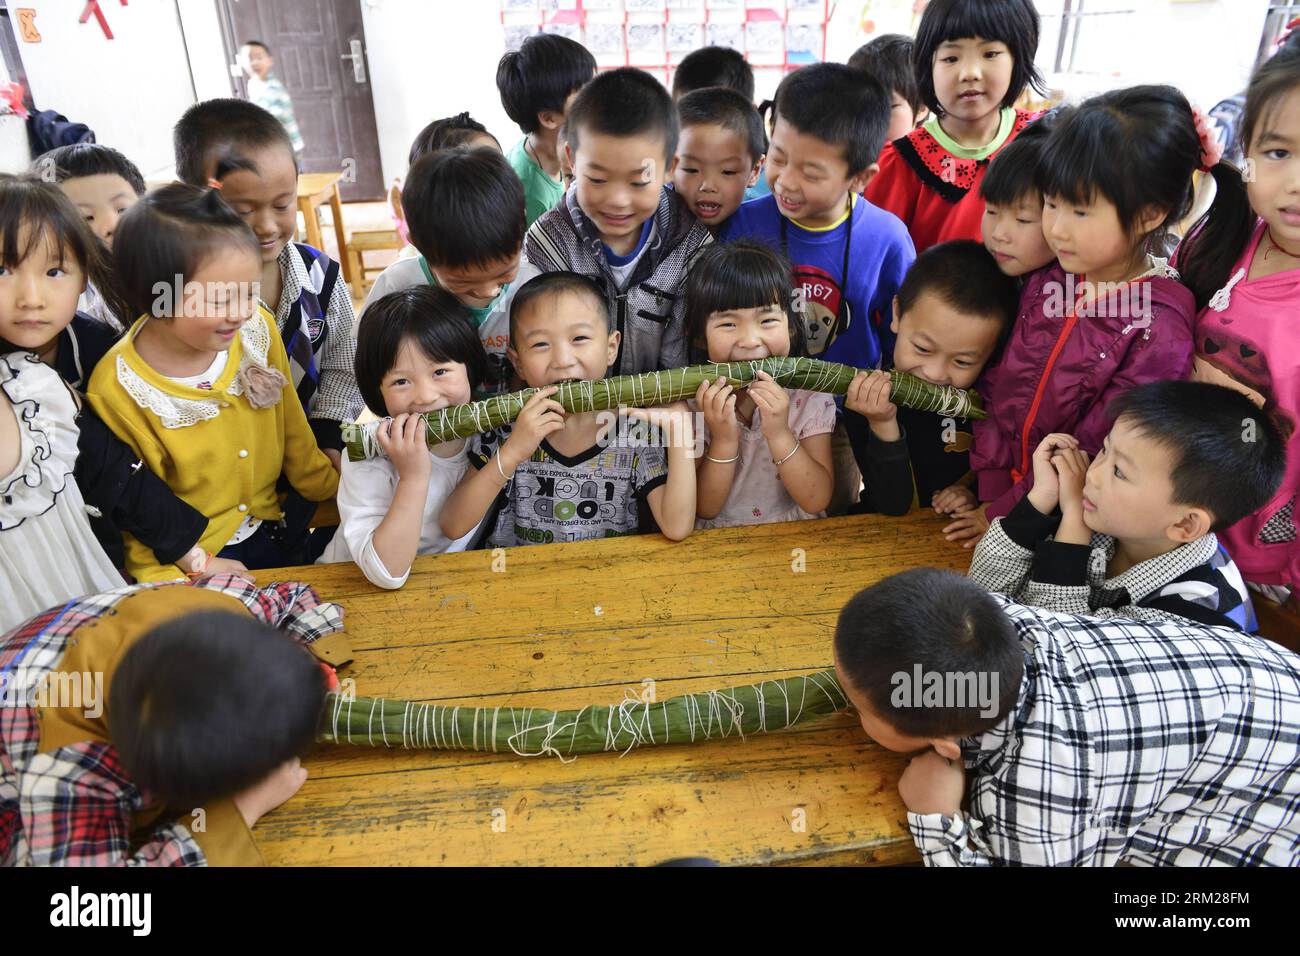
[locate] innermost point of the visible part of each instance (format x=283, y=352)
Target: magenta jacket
x=1061, y=370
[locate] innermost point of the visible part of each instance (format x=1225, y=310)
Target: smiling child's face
x=418, y=384
x=266, y=197
x=562, y=338
x=940, y=344
x=619, y=180
x=810, y=177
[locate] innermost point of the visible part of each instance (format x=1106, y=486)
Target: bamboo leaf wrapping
x=532, y=732
x=658, y=388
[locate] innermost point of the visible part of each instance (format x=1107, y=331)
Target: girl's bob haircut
x=433, y=319
x=743, y=274
x=1013, y=22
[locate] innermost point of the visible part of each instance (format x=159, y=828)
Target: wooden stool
x=368, y=240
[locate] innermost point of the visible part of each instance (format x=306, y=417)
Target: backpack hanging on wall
x=50, y=129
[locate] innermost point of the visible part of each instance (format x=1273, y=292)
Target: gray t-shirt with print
x=597, y=493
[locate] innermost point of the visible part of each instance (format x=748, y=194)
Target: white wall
x=130, y=90
x=209, y=67
x=428, y=59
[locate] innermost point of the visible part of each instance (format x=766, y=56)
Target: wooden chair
x=370, y=240
x=1278, y=623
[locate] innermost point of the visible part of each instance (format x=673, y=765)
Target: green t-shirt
x=541, y=192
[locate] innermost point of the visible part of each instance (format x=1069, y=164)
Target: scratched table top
x=562, y=626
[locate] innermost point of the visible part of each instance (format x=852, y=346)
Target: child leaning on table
x=558, y=476
x=1056, y=739
x=417, y=352
x=1133, y=535
x=199, y=703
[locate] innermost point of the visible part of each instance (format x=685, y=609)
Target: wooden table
x=314, y=189
x=572, y=624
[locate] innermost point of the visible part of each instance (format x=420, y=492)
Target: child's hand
x=218, y=565
x=1046, y=493
x=403, y=439
x=717, y=403
x=542, y=416
x=774, y=402
x=868, y=395
x=968, y=526
x=271, y=791
x=933, y=784
x=335, y=457
x=1071, y=465
x=953, y=500
x=674, y=421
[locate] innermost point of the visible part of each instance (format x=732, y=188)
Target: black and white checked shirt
x=1196, y=581
x=1162, y=744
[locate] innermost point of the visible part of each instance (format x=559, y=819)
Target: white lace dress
x=48, y=554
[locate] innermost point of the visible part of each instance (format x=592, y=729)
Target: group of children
x=175, y=369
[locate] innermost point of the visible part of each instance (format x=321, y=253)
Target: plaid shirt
x=1166, y=744
x=321, y=357
x=74, y=806
x=1196, y=582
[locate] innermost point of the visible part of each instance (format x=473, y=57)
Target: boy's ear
x=549, y=119
x=893, y=315
x=513, y=356
x=755, y=172
x=568, y=154
x=615, y=338
x=859, y=182
x=1195, y=524
x=946, y=747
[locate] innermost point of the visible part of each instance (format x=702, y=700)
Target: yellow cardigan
x=214, y=450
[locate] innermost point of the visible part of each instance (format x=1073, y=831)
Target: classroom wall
x=432, y=59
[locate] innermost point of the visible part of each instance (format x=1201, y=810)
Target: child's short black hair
x=842, y=106
x=623, y=102
x=169, y=233
x=258, y=43
x=966, y=276
x=207, y=704
x=1013, y=22
x=714, y=66
x=1229, y=457
x=728, y=109
x=464, y=207
x=445, y=133
x=555, y=284
x=220, y=131
x=943, y=623
x=1013, y=172
x=889, y=59
x=741, y=274
x=540, y=76
x=90, y=159
x=437, y=322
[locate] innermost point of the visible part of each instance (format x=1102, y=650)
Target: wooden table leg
x=308, y=209
x=345, y=261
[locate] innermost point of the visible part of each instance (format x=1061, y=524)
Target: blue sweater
x=879, y=256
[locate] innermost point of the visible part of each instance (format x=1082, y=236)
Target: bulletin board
x=777, y=35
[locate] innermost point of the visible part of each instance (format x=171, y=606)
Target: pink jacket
x=1246, y=339
x=1061, y=370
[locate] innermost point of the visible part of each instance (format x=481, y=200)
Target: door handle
x=357, y=56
